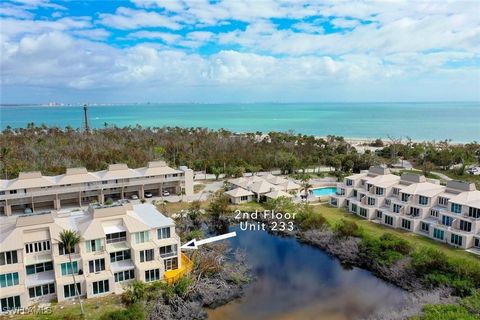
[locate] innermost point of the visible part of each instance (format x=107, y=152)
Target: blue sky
x=239, y=50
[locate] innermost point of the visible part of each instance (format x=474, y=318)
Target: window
x=406, y=224
x=355, y=193
x=474, y=212
x=93, y=245
x=171, y=264
x=146, y=255
x=10, y=303
x=438, y=234
x=447, y=221
x=442, y=201
x=39, y=267
x=120, y=255
x=354, y=208
x=141, y=237
x=456, y=208
x=414, y=211
x=379, y=214
x=434, y=213
x=124, y=275
x=63, y=251
x=42, y=290
x=163, y=233
x=396, y=208
x=9, y=280
x=349, y=182
x=168, y=251
x=371, y=201
x=477, y=243
x=96, y=265
x=68, y=269
x=465, y=225
x=8, y=257
x=244, y=198
x=363, y=212
x=379, y=191
x=422, y=200
x=100, y=287
x=395, y=191
x=69, y=290
x=369, y=186
x=456, y=239
x=37, y=246
x=389, y=220
x=425, y=227
x=405, y=197
x=117, y=237
x=152, y=275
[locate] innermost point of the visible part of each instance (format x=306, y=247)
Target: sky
x=239, y=51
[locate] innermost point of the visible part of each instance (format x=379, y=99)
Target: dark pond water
x=297, y=281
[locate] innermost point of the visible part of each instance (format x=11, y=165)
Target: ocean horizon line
x=73, y=104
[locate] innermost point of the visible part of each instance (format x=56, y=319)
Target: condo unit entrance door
x=171, y=264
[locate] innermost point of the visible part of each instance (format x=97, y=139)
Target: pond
x=328, y=191
x=297, y=281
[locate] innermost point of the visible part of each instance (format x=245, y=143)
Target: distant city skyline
x=239, y=51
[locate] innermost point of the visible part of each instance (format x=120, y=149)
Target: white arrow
x=194, y=243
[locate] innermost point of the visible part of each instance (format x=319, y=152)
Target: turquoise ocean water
x=458, y=121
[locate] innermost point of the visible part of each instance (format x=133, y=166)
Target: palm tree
x=305, y=185
x=70, y=239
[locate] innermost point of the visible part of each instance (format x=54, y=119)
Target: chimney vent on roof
x=460, y=185
x=412, y=177
x=156, y=164
x=73, y=171
x=117, y=166
x=378, y=170
x=29, y=175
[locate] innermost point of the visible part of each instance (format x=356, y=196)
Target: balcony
x=173, y=275
x=39, y=278
x=95, y=187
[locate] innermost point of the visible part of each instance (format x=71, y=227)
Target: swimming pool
x=327, y=191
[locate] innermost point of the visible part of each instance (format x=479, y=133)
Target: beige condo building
x=34, y=192
x=119, y=243
x=449, y=214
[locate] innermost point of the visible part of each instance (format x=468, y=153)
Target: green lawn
x=333, y=215
x=94, y=309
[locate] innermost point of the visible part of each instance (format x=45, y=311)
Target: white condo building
x=450, y=214
x=34, y=192
x=119, y=243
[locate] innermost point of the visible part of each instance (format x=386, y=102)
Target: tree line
x=53, y=149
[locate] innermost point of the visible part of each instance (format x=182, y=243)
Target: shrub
x=135, y=292
x=313, y=221
x=392, y=242
x=182, y=286
x=219, y=204
x=385, y=250
x=133, y=312
x=446, y=312
x=462, y=287
x=472, y=303
x=428, y=260
x=346, y=228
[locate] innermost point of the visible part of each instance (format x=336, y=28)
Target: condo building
x=449, y=214
x=34, y=192
x=119, y=243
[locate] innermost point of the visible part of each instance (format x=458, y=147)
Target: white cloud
x=126, y=19
x=398, y=43
x=164, y=36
